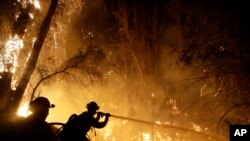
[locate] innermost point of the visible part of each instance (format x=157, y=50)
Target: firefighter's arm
x=98, y=124
x=99, y=115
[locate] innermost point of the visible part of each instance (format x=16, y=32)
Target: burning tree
x=139, y=40
x=19, y=14
x=25, y=46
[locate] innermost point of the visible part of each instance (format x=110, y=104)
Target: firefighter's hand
x=101, y=114
x=107, y=114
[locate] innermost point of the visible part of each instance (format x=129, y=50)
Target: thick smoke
x=138, y=78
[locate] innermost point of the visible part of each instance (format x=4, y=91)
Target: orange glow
x=146, y=137
x=116, y=97
x=23, y=110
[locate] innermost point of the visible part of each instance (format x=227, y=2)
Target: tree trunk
x=31, y=64
x=5, y=89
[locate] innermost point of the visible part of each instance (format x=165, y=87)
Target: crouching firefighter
x=77, y=126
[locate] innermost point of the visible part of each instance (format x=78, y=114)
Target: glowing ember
x=36, y=3
x=196, y=127
x=158, y=122
x=13, y=84
x=153, y=95
x=31, y=15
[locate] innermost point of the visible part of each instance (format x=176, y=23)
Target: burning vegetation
x=169, y=70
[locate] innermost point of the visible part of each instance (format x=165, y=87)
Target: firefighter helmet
x=41, y=102
x=93, y=105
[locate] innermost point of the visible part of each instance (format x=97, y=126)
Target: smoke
x=134, y=80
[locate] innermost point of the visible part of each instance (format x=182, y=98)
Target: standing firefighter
x=77, y=127
x=34, y=127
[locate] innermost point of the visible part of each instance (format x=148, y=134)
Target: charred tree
x=31, y=64
x=5, y=88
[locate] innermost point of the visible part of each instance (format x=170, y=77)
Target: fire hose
x=168, y=126
x=156, y=124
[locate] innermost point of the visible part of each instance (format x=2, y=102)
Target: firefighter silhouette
x=34, y=127
x=77, y=126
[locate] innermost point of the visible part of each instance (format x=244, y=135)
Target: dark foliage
x=215, y=34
